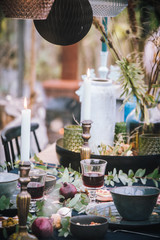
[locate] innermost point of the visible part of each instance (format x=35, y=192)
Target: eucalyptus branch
x=131, y=177
x=105, y=38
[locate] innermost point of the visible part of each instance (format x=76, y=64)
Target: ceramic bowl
x=8, y=183
x=135, y=203
x=50, y=183
x=81, y=228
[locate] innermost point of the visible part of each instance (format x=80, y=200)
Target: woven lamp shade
x=26, y=9
x=67, y=23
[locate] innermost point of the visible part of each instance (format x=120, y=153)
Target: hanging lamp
x=67, y=23
x=26, y=9
x=108, y=8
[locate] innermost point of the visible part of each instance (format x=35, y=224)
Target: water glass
x=36, y=186
x=93, y=171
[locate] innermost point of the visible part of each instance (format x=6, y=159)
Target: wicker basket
x=22, y=9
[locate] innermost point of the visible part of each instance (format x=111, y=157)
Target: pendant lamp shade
x=26, y=9
x=67, y=23
x=108, y=8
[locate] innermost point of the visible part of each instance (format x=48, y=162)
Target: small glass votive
x=149, y=144
x=73, y=140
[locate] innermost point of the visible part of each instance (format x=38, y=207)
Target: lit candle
x=86, y=98
x=25, y=132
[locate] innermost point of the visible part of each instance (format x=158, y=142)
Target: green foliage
x=132, y=83
x=5, y=235
x=65, y=229
x=120, y=148
x=3, y=167
x=5, y=203
x=131, y=177
x=37, y=159
x=80, y=201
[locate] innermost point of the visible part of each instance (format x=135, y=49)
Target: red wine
x=35, y=189
x=94, y=180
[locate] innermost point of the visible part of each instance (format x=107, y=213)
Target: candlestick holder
x=23, y=202
x=85, y=152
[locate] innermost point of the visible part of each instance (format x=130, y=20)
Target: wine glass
x=93, y=171
x=36, y=187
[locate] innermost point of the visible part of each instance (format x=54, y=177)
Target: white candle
x=86, y=98
x=25, y=133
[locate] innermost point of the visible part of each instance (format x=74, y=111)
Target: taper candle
x=86, y=98
x=25, y=132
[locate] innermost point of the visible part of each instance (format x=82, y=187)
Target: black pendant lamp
x=67, y=23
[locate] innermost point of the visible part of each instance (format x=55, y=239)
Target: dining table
x=135, y=231
x=49, y=155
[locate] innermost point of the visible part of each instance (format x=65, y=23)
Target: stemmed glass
x=36, y=187
x=93, y=171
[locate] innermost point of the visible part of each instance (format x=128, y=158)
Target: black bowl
x=148, y=162
x=11, y=212
x=80, y=227
x=135, y=203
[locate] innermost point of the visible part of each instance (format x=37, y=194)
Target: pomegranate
x=68, y=190
x=42, y=227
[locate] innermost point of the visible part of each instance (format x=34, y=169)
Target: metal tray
x=148, y=162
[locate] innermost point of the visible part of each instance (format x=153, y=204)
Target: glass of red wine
x=36, y=187
x=93, y=171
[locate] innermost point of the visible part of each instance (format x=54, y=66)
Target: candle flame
x=88, y=73
x=25, y=103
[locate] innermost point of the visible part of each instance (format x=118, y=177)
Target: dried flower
x=133, y=75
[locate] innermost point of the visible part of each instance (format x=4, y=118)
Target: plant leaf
x=140, y=172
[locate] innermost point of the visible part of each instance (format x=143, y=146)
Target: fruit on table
x=9, y=222
x=56, y=217
x=68, y=190
x=42, y=227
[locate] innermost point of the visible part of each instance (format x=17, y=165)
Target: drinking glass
x=93, y=171
x=36, y=187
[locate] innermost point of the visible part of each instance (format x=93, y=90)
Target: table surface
x=50, y=156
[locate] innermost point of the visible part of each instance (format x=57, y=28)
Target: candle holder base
x=22, y=236
x=23, y=202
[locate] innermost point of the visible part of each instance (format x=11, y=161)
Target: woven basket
x=23, y=9
x=67, y=23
